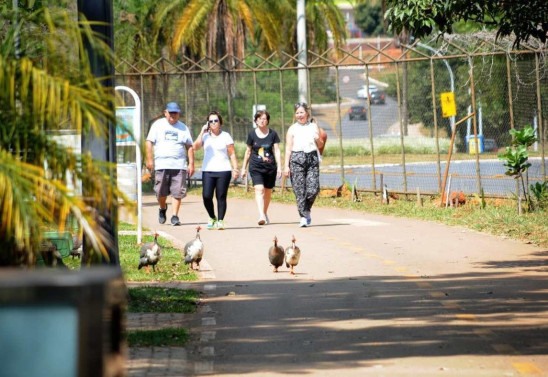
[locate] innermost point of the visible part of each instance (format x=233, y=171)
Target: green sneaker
x=220, y=224
x=212, y=224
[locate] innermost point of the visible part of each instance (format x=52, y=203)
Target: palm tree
x=47, y=90
x=141, y=29
x=137, y=31
x=219, y=28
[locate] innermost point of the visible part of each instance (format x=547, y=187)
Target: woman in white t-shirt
x=302, y=161
x=218, y=168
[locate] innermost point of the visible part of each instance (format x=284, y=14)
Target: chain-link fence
x=380, y=105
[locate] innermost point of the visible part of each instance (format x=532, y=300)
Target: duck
x=292, y=255
x=150, y=254
x=276, y=255
x=194, y=250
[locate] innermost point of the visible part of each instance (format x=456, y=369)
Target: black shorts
x=267, y=179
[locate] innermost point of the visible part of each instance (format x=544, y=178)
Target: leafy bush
x=516, y=158
x=540, y=194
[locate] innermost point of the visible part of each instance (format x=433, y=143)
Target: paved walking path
x=373, y=296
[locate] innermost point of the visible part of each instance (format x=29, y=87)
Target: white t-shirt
x=216, y=152
x=303, y=137
x=170, y=144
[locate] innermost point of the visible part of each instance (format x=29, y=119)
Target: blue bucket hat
x=172, y=107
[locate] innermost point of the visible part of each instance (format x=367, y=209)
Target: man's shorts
x=170, y=181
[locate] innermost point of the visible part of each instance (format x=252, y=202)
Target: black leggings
x=217, y=182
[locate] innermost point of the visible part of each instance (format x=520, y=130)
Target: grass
x=149, y=299
x=499, y=217
x=162, y=300
x=175, y=337
x=171, y=266
x=387, y=151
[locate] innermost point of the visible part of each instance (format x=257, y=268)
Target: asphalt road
x=427, y=177
x=382, y=116
x=372, y=296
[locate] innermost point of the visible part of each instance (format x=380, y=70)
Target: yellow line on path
x=527, y=369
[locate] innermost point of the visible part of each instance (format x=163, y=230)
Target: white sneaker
x=262, y=220
x=267, y=220
x=303, y=223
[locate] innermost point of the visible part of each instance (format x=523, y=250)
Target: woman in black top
x=263, y=157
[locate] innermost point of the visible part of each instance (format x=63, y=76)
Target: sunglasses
x=301, y=104
x=213, y=121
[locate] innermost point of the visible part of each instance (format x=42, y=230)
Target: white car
x=363, y=93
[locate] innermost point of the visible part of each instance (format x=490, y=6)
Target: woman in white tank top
x=302, y=162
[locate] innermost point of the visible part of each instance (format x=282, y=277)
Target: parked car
x=378, y=97
x=363, y=92
x=357, y=112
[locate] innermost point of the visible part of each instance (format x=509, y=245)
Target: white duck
x=194, y=250
x=150, y=254
x=292, y=255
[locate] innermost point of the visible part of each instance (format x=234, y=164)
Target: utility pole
x=100, y=12
x=301, y=46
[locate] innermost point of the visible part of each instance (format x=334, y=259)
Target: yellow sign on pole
x=448, y=106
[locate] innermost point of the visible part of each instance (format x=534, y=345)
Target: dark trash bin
x=62, y=323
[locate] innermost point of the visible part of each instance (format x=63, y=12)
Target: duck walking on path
x=292, y=255
x=276, y=255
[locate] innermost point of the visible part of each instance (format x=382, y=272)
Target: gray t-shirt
x=169, y=144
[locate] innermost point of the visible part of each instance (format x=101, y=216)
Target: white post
x=138, y=159
x=480, y=120
x=451, y=78
x=301, y=46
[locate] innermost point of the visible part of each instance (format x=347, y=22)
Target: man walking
x=169, y=152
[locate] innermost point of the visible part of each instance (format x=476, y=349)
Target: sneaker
x=303, y=223
x=175, y=220
x=212, y=224
x=220, y=224
x=162, y=215
x=262, y=220
x=267, y=220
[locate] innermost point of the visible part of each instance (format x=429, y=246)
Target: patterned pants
x=305, y=179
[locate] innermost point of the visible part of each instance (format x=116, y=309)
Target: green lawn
x=498, y=216
x=148, y=299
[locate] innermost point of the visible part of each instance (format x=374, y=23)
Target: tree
x=137, y=30
x=142, y=29
x=224, y=27
x=47, y=88
x=369, y=18
x=523, y=19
